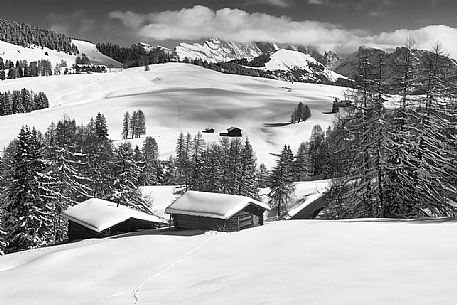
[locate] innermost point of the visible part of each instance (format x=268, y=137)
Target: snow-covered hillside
x=215, y=50
x=288, y=262
x=90, y=50
x=289, y=60
x=177, y=97
x=13, y=53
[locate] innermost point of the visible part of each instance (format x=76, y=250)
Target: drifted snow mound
x=287, y=262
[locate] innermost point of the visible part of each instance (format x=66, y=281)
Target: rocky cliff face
x=215, y=50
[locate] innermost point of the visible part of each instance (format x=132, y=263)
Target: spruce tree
x=248, y=184
x=126, y=126
x=26, y=213
x=282, y=182
x=126, y=175
x=302, y=163
x=151, y=161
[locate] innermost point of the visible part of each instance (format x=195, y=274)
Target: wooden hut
x=214, y=211
x=208, y=130
x=231, y=132
x=95, y=218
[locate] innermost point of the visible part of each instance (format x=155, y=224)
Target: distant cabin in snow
x=232, y=132
x=214, y=211
x=95, y=218
x=88, y=68
x=208, y=130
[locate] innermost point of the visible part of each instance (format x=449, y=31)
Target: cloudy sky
x=341, y=25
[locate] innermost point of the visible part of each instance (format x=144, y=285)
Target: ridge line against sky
x=340, y=25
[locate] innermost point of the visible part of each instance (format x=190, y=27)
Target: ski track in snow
x=136, y=291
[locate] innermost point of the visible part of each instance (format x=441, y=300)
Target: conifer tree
x=26, y=214
x=302, y=163
x=281, y=181
x=262, y=176
x=151, y=161
x=248, y=183
x=126, y=126
x=126, y=175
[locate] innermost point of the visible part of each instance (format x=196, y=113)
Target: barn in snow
x=213, y=211
x=96, y=218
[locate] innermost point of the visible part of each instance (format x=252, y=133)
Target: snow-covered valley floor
x=177, y=97
x=287, y=262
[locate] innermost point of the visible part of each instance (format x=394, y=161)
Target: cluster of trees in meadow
x=22, y=101
x=133, y=126
x=135, y=55
x=10, y=70
x=227, y=167
x=301, y=113
x=25, y=35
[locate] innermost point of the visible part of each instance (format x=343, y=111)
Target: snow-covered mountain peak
x=216, y=50
x=288, y=59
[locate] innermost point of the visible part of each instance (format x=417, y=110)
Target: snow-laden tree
x=402, y=161
x=247, y=180
x=126, y=173
x=150, y=153
x=27, y=216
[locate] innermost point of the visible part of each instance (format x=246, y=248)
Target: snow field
x=289, y=262
x=177, y=98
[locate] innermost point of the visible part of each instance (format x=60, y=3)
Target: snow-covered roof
x=98, y=215
x=233, y=128
x=213, y=205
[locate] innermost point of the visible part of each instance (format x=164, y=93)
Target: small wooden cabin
x=214, y=211
x=208, y=130
x=232, y=132
x=96, y=218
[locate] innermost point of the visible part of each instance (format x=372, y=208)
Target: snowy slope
x=177, y=97
x=215, y=50
x=14, y=52
x=288, y=60
x=90, y=50
x=289, y=262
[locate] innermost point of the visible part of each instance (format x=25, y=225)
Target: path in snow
x=212, y=235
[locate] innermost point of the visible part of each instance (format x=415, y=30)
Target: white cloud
x=238, y=25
